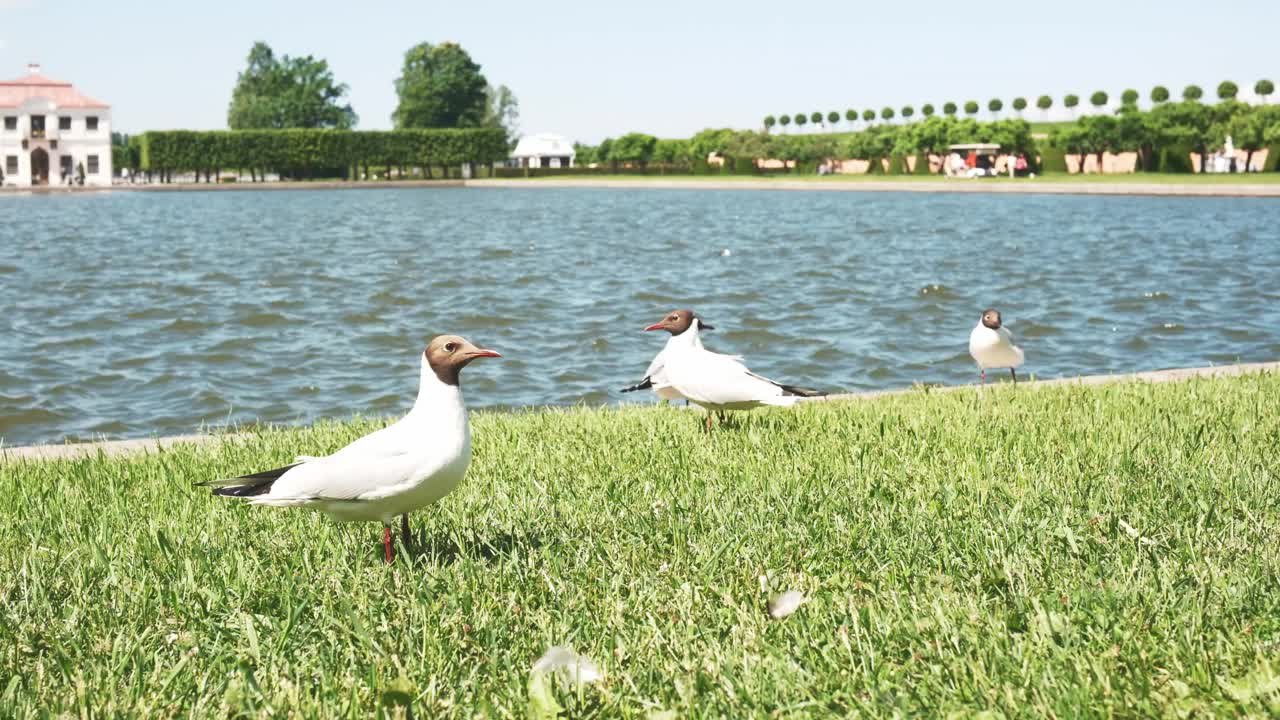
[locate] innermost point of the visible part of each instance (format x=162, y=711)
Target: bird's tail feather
x=801, y=391
x=258, y=483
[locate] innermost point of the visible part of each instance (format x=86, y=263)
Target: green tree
x=1098, y=100
x=995, y=105
x=908, y=111
x=1187, y=124
x=1044, y=102
x=949, y=109
x=926, y=110
x=1248, y=129
x=1129, y=97
x=886, y=114
x=833, y=117
x=868, y=116
x=440, y=86
x=669, y=152
x=851, y=116
x=635, y=148
x=502, y=110
x=585, y=155
x=1227, y=90
x=971, y=107
x=1159, y=94
x=784, y=121
x=1070, y=102
x=1264, y=88
x=287, y=92
x=769, y=122
x=815, y=117
x=801, y=119
x=1019, y=104
x=1192, y=93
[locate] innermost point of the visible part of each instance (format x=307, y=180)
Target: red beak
x=655, y=326
x=485, y=353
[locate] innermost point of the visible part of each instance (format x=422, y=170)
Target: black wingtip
x=642, y=385
x=801, y=391
x=258, y=483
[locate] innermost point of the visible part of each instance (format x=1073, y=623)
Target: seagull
x=991, y=345
x=714, y=381
x=655, y=377
x=393, y=471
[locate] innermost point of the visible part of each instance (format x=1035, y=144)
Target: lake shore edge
x=110, y=448
x=907, y=184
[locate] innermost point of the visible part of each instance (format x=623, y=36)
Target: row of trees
x=1163, y=137
x=439, y=86
x=306, y=153
x=875, y=143
x=1227, y=92
x=1174, y=128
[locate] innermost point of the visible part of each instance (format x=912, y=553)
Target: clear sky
x=594, y=69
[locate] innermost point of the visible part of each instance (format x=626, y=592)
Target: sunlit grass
x=1269, y=178
x=1060, y=551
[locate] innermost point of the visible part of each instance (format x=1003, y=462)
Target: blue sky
x=595, y=69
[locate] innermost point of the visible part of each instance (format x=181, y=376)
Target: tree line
x=304, y=153
x=1163, y=138
x=1227, y=91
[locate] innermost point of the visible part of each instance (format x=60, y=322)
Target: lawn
x=1268, y=178
x=1066, y=551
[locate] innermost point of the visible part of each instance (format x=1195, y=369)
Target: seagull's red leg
x=386, y=541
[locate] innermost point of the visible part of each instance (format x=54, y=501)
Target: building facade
x=545, y=150
x=51, y=134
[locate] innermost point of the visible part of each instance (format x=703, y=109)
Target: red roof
x=14, y=93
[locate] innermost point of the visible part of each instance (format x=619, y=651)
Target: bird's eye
x=450, y=347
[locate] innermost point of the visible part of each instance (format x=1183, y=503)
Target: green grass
x=1067, y=551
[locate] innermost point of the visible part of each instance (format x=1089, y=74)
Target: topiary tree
x=815, y=117
x=833, y=117
x=1098, y=100
x=1159, y=94
x=868, y=116
x=1070, y=102
x=995, y=105
x=1264, y=88
x=784, y=121
x=801, y=119
x=1192, y=93
x=1019, y=104
x=886, y=113
x=971, y=107
x=1129, y=97
x=769, y=122
x=1227, y=90
x=926, y=110
x=1044, y=102
x=908, y=111
x=949, y=109
x=851, y=116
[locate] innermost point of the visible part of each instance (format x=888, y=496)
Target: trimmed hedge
x=897, y=166
x=922, y=164
x=1273, y=157
x=1174, y=160
x=1052, y=159
x=306, y=152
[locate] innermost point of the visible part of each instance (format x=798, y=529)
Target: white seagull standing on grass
x=393, y=471
x=655, y=378
x=991, y=345
x=714, y=381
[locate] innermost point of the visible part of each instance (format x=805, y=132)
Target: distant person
x=1020, y=165
x=957, y=165
x=971, y=160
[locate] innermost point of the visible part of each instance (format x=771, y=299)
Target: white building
x=50, y=130
x=545, y=150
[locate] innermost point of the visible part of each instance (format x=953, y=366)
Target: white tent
x=543, y=150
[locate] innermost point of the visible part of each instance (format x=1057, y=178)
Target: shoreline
x=1023, y=186
x=111, y=448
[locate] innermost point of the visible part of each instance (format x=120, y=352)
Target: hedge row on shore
x=308, y=153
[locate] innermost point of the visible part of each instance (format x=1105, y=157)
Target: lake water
x=135, y=314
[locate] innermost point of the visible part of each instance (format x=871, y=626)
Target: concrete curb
x=112, y=448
